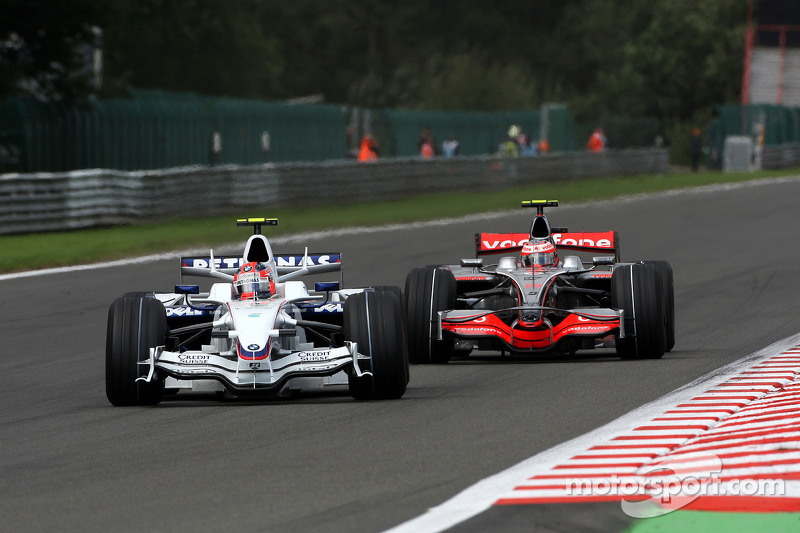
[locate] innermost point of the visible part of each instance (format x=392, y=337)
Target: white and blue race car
x=257, y=330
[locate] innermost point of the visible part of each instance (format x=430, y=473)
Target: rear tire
x=637, y=290
x=428, y=291
x=135, y=324
x=374, y=320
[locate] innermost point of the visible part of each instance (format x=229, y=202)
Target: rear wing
x=319, y=263
x=504, y=243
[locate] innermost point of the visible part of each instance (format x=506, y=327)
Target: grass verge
x=40, y=250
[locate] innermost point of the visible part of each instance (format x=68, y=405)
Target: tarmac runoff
x=719, y=454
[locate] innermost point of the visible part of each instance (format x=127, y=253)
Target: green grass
x=40, y=250
x=709, y=522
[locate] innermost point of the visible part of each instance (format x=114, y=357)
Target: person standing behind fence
x=426, y=149
x=597, y=141
x=543, y=146
x=695, y=149
x=426, y=143
x=451, y=147
x=526, y=147
x=510, y=147
x=369, y=149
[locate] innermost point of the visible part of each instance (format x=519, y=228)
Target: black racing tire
x=428, y=291
x=135, y=324
x=394, y=289
x=136, y=294
x=665, y=269
x=636, y=289
x=398, y=293
x=374, y=320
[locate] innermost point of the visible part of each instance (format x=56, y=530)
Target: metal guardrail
x=781, y=156
x=79, y=199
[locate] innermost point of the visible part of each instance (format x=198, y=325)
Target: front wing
x=242, y=375
x=477, y=325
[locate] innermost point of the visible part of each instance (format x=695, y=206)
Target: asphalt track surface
x=69, y=461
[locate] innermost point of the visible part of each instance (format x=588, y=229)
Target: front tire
x=665, y=269
x=393, y=289
x=428, y=291
x=374, y=320
x=637, y=291
x=135, y=324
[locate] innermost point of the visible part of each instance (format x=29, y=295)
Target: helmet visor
x=544, y=259
x=252, y=283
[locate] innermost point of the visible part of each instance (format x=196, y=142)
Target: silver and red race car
x=257, y=330
x=541, y=299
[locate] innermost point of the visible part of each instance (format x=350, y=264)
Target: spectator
x=426, y=137
x=695, y=148
x=526, y=147
x=426, y=149
x=543, y=147
x=597, y=141
x=369, y=149
x=510, y=147
x=451, y=147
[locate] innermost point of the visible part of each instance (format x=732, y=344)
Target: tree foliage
x=668, y=59
x=688, y=55
x=202, y=46
x=45, y=47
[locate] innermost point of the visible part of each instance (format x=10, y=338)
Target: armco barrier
x=781, y=156
x=57, y=201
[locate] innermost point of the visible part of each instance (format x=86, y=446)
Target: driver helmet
x=254, y=280
x=539, y=252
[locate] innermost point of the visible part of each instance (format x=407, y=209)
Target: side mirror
x=326, y=286
x=187, y=289
x=603, y=260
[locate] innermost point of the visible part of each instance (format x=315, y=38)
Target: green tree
x=688, y=57
x=483, y=55
x=669, y=59
x=470, y=82
x=45, y=48
x=204, y=46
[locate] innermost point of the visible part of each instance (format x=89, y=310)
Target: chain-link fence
x=767, y=125
x=155, y=129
